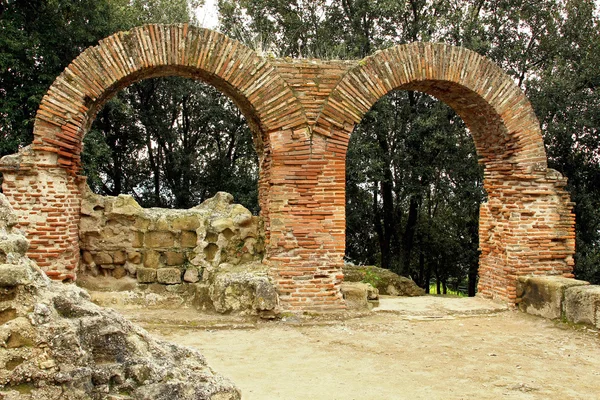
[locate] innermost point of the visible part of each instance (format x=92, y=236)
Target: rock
x=358, y=295
x=543, y=295
x=124, y=204
x=119, y=257
x=134, y=257
x=582, y=305
x=220, y=224
x=246, y=290
x=13, y=275
x=59, y=345
x=386, y=282
x=152, y=259
x=146, y=275
x=119, y=272
x=174, y=258
x=191, y=276
x=103, y=258
x=169, y=276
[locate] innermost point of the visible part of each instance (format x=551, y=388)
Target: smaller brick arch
x=502, y=121
x=518, y=231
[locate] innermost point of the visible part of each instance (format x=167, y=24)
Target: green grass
x=450, y=292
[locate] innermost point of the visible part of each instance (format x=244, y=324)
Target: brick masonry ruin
x=302, y=113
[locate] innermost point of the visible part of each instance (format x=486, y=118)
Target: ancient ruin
x=57, y=344
x=302, y=113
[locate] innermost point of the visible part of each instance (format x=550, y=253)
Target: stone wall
x=553, y=297
x=119, y=238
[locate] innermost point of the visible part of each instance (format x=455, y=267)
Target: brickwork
x=302, y=113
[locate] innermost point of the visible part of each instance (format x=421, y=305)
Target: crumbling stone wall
x=120, y=238
x=302, y=113
x=56, y=344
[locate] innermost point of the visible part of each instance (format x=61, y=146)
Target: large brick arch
x=50, y=167
x=526, y=227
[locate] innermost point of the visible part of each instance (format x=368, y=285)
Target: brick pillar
x=47, y=201
x=526, y=228
x=307, y=223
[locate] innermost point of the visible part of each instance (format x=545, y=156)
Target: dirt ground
x=416, y=348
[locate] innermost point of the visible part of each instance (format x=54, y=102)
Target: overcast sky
x=207, y=14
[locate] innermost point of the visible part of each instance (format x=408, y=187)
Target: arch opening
x=414, y=186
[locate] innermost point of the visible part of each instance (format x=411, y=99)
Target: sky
x=207, y=15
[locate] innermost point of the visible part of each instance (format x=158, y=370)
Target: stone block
x=119, y=272
x=220, y=224
x=169, y=276
x=119, y=257
x=152, y=259
x=202, y=300
x=191, y=275
x=159, y=239
x=134, y=257
x=543, y=295
x=358, y=294
x=13, y=275
x=174, y=258
x=103, y=258
x=186, y=223
x=582, y=305
x=146, y=275
x=138, y=239
x=87, y=257
x=189, y=239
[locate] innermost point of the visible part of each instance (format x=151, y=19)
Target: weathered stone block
x=87, y=257
x=134, y=257
x=138, y=239
x=191, y=276
x=13, y=275
x=174, y=258
x=152, y=259
x=582, y=305
x=220, y=224
x=186, y=223
x=119, y=257
x=543, y=295
x=159, y=239
x=189, y=239
x=358, y=294
x=170, y=276
x=103, y=258
x=146, y=275
x=119, y=272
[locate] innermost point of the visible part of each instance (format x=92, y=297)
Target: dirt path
x=426, y=348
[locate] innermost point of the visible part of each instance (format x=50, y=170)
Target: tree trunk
x=409, y=233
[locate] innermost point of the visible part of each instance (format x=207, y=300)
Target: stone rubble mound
x=384, y=280
x=56, y=344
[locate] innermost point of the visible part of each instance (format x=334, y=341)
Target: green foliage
x=371, y=277
x=172, y=142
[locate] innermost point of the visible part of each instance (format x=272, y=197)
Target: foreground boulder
x=386, y=282
x=56, y=344
x=360, y=296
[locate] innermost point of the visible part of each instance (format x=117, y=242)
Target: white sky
x=207, y=15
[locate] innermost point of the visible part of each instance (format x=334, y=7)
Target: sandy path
x=424, y=354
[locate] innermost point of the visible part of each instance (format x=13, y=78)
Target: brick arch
x=526, y=226
x=499, y=115
x=50, y=166
x=70, y=105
